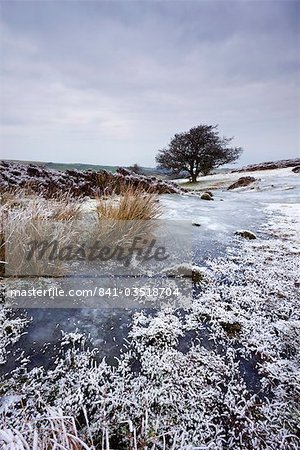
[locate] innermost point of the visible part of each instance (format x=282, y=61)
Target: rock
x=241, y=182
x=296, y=169
x=206, y=196
x=185, y=270
x=209, y=193
x=245, y=234
x=231, y=328
x=199, y=277
x=270, y=165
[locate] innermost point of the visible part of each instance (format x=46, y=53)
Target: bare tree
x=136, y=169
x=196, y=151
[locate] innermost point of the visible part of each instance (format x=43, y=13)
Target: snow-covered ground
x=225, y=179
x=222, y=374
x=232, y=176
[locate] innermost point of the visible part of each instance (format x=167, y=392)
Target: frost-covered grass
x=180, y=383
x=54, y=430
x=223, y=180
x=34, y=218
x=222, y=374
x=59, y=222
x=11, y=328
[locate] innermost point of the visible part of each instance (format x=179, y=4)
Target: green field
x=79, y=166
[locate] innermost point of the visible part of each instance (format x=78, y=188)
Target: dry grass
x=63, y=206
x=133, y=204
x=126, y=217
x=11, y=198
x=34, y=218
x=66, y=207
x=53, y=431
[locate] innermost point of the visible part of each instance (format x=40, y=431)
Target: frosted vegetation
x=224, y=373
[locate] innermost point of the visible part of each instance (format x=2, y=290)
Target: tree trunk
x=194, y=177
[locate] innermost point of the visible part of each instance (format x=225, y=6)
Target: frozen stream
x=232, y=210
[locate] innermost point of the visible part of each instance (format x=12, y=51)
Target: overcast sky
x=110, y=82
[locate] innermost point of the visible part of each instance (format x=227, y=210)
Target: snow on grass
x=181, y=381
x=11, y=328
x=223, y=180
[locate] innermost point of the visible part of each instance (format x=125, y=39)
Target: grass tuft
x=133, y=204
x=24, y=219
x=128, y=216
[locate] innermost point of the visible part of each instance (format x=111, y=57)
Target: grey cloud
x=110, y=82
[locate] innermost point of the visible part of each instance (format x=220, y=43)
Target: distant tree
x=196, y=151
x=136, y=169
